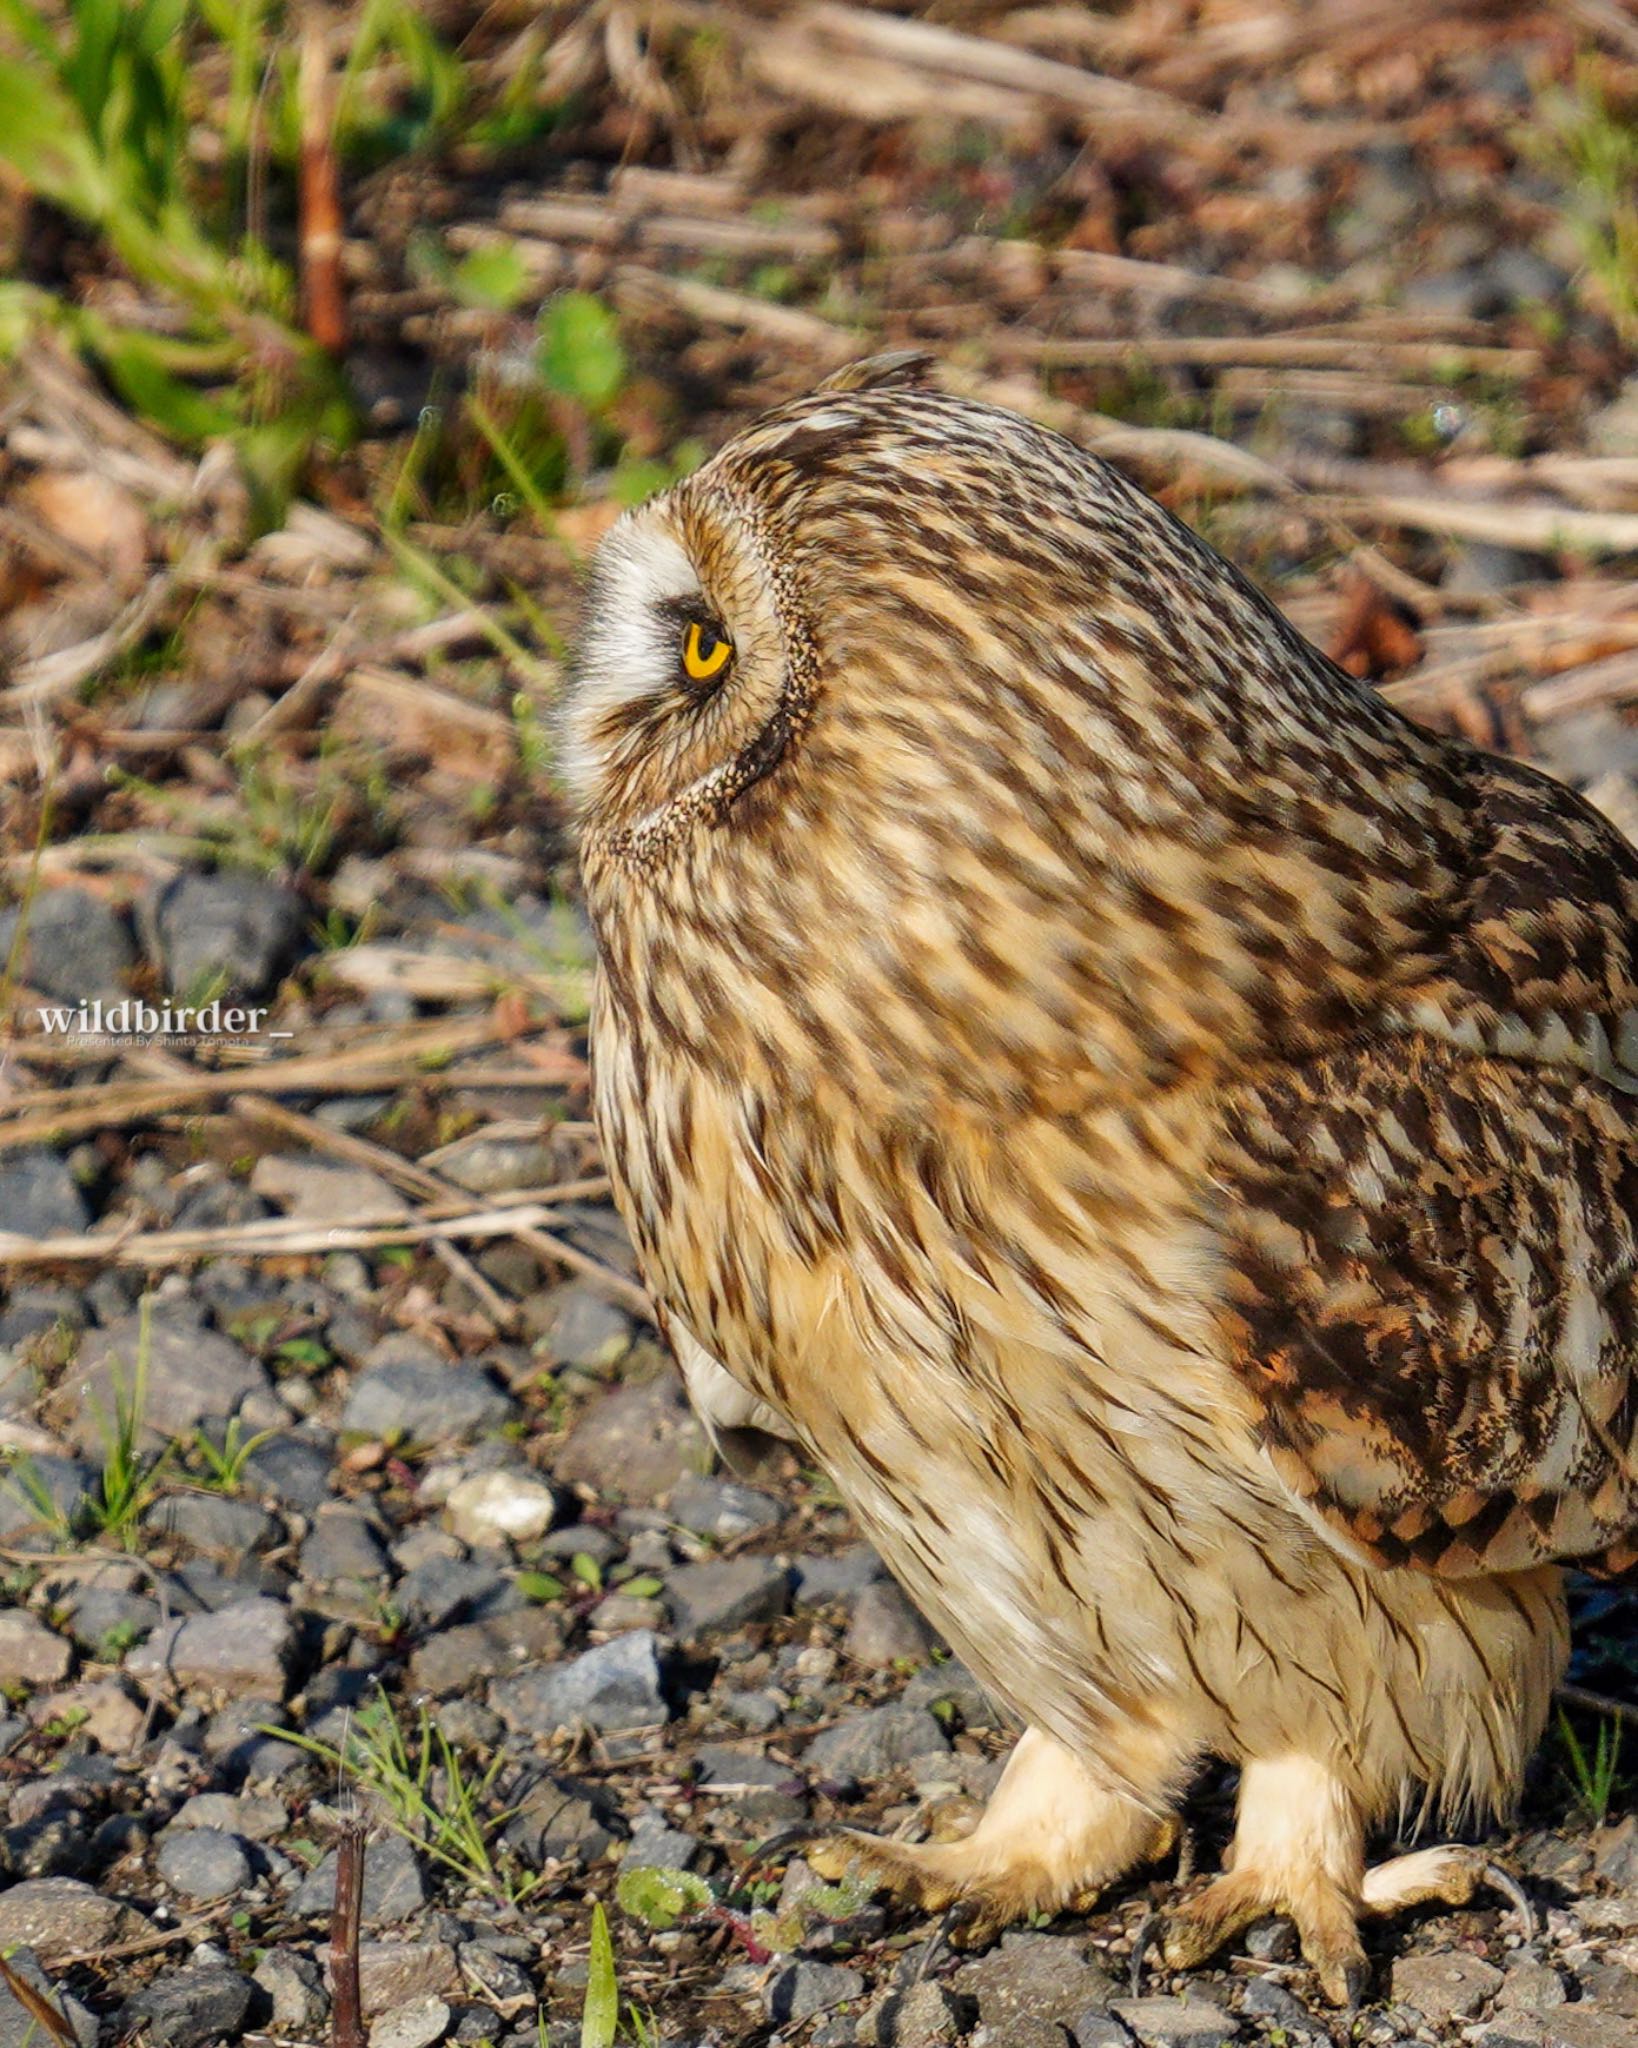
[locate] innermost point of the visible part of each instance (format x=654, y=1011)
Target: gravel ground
x=420, y=1532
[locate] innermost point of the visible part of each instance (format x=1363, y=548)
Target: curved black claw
x=781, y=1844
x=1356, y=1981
x=1507, y=1884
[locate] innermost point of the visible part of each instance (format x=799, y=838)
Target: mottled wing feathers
x=1433, y=1293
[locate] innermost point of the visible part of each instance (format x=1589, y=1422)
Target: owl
x=1157, y=1127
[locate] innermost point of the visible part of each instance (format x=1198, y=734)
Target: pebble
x=295, y=1986
x=723, y=1509
x=445, y=1589
x=1442, y=1987
x=213, y=1522
x=410, y=1392
x=615, y=1686
x=30, y=1654
x=558, y=1818
x=77, y=947
x=1177, y=2022
x=246, y=1647
x=319, y=1191
x=868, y=1744
x=246, y=927
x=394, y=1887
x=295, y=1471
x=802, y=1989
x=574, y=1325
x=727, y=1595
x=60, y=1916
x=884, y=1629
x=343, y=1543
x=1096, y=2029
x=416, y=2025
x=489, y=1509
x=193, y=1375
x=1036, y=1976
x=451, y=1660
x=842, y=1576
x=66, y=1485
x=191, y=2007
x=634, y=1443
x=201, y=1863
x=39, y=1197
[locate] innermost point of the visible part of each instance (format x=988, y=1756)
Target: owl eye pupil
x=706, y=652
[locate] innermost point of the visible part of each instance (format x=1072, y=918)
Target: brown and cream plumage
x=1157, y=1126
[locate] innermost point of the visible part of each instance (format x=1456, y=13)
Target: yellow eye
x=706, y=653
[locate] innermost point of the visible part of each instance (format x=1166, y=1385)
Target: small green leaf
x=492, y=279
x=580, y=351
x=587, y=1570
x=644, y=1588
x=660, y=1896
x=600, y=2015
x=540, y=1586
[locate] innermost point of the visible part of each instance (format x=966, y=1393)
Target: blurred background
x=332, y=338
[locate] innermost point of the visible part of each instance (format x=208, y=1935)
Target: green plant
x=224, y=1463
x=427, y=1795
x=600, y=2014
x=1593, y=145
x=1591, y=1778
x=96, y=117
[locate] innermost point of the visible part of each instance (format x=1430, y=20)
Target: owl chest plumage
x=1009, y=1378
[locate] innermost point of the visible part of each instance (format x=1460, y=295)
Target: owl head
x=903, y=694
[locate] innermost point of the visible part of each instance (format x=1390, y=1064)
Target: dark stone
x=242, y=926
x=39, y=1197
x=192, y=2008
x=394, y=1888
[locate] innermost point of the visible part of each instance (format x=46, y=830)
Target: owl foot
x=1448, y=1876
x=1320, y=1910
x=1051, y=1840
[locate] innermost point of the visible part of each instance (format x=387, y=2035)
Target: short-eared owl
x=1159, y=1129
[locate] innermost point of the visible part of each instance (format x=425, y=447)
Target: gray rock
x=258, y=1820
x=394, y=1888
x=656, y=1843
x=193, y=1375
x=575, y=1325
x=342, y=1544
x=723, y=1766
x=294, y=1984
x=1039, y=1976
x=885, y=1629
x=491, y=1166
x=843, y=1576
x=1177, y=2022
x=104, y=1619
x=213, y=1522
x=496, y=1646
x=1271, y=1941
x=191, y=2008
x=615, y=1686
x=1272, y=2002
x=30, y=1654
x=1101, y=2030
x=1572, y=2026
x=756, y=1709
x=409, y=1392
x=1531, y=1986
x=18, y=2026
x=200, y=1863
x=247, y=1647
x=635, y=1443
x=925, y=2015
x=242, y=926
x=723, y=1509
x=803, y=1989
x=867, y=1744
x=705, y=1597
x=38, y=1194
x=559, y=1818
x=416, y=2025
x=321, y=1191
x=294, y=1471
x=1525, y=276
x=1481, y=568
x=60, y=1916
x=1443, y=1987
x=77, y=947
x=446, y=1589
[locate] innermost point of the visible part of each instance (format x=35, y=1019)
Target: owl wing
x=1432, y=1293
